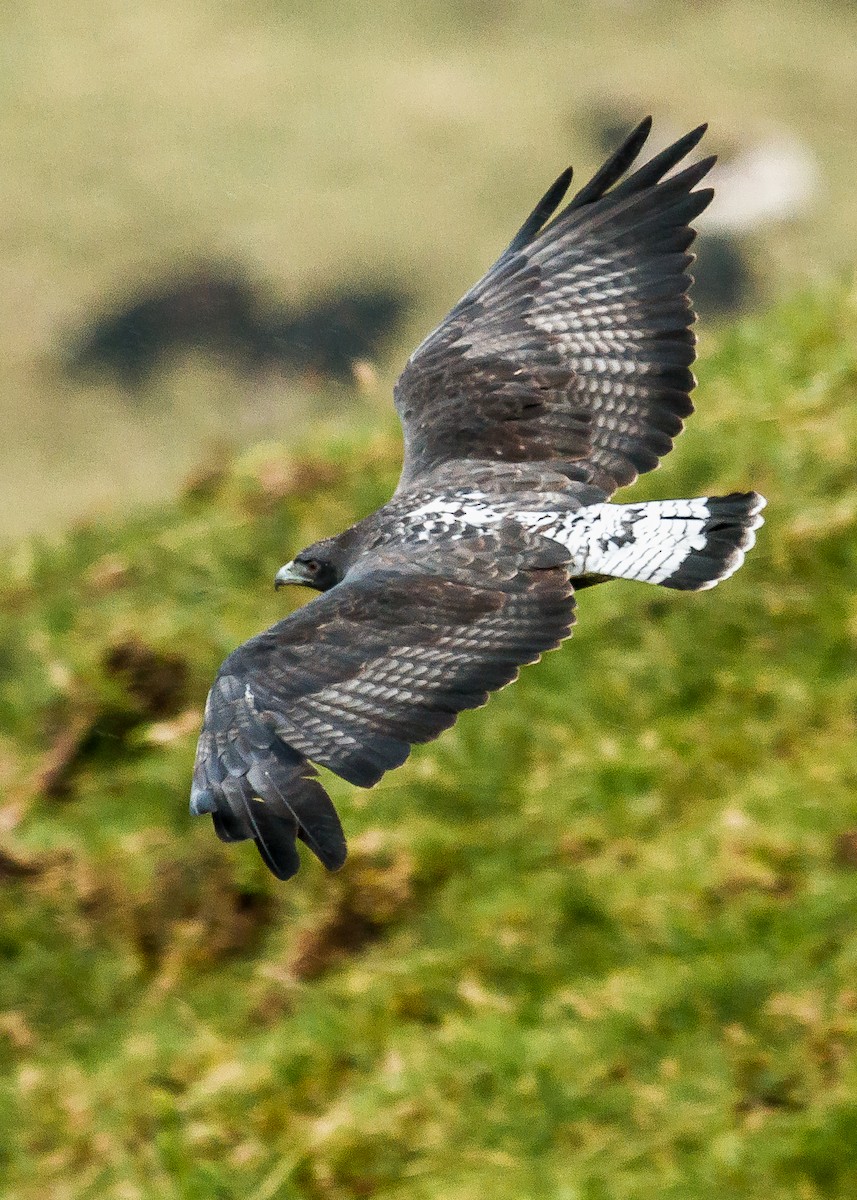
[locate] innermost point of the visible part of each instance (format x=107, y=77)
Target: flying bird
x=560, y=377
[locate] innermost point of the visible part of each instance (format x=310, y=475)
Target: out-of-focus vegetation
x=598, y=942
x=311, y=144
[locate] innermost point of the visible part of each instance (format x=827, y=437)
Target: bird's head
x=316, y=567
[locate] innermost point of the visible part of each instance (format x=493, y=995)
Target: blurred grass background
x=315, y=142
x=598, y=942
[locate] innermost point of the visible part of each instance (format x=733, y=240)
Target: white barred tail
x=685, y=544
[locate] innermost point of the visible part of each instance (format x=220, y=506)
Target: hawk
x=560, y=377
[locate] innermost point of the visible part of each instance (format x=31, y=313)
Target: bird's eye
x=312, y=566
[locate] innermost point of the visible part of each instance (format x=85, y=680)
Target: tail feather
x=686, y=544
x=726, y=536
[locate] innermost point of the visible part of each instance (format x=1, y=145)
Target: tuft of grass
x=598, y=941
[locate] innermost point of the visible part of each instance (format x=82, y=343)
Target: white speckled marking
x=646, y=542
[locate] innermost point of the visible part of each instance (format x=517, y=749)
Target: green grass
x=597, y=943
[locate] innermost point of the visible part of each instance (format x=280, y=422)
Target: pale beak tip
x=284, y=576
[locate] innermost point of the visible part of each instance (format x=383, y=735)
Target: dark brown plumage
x=559, y=377
x=575, y=348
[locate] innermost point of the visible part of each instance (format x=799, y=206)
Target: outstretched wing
x=387, y=658
x=575, y=348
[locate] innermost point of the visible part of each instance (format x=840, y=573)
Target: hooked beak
x=288, y=574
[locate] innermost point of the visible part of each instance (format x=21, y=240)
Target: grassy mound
x=599, y=941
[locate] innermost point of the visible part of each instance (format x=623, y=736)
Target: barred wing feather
x=574, y=350
x=350, y=681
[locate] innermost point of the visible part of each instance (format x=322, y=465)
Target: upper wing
x=574, y=349
x=387, y=658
